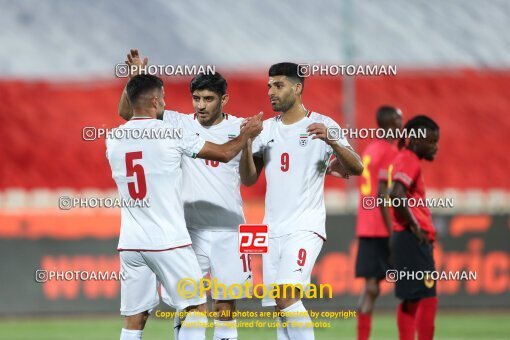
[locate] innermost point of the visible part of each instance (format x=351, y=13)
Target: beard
x=280, y=106
x=210, y=118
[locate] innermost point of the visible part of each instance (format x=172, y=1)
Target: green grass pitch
x=449, y=325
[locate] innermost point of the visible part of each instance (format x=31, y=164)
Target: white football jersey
x=211, y=189
x=295, y=166
x=150, y=169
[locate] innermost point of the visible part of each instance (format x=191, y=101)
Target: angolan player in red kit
x=374, y=225
x=414, y=232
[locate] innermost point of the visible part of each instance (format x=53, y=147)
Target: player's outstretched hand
x=336, y=169
x=252, y=126
x=134, y=59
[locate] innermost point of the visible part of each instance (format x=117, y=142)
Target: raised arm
x=133, y=58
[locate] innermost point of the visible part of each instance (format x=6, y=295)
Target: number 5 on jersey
x=136, y=170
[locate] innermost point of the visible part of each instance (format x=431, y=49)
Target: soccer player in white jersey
x=154, y=243
x=211, y=196
x=295, y=150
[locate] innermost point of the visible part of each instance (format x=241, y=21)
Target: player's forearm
x=350, y=160
x=125, y=110
x=401, y=210
x=234, y=146
x=382, y=192
x=247, y=168
x=223, y=152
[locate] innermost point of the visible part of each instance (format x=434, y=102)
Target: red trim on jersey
x=322, y=237
x=225, y=115
x=308, y=113
x=141, y=118
x=152, y=250
x=195, y=116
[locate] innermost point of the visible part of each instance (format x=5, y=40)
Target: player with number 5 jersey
x=211, y=197
x=295, y=148
x=154, y=243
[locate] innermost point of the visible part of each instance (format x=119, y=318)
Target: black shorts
x=411, y=256
x=373, y=259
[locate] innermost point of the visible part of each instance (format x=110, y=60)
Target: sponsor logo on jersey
x=303, y=139
x=231, y=136
x=428, y=281
x=253, y=238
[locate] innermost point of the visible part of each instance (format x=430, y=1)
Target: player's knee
x=197, y=308
x=225, y=309
x=372, y=289
x=136, y=322
x=287, y=301
x=288, y=296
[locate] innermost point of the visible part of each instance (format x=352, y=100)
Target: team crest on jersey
x=303, y=139
x=231, y=136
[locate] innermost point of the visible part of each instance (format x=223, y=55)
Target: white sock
x=130, y=334
x=177, y=325
x=226, y=330
x=298, y=322
x=193, y=327
x=281, y=332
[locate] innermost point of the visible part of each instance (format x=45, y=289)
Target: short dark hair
x=212, y=82
x=290, y=70
x=141, y=84
x=416, y=123
x=384, y=112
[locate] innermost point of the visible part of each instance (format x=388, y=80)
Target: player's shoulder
x=406, y=157
x=232, y=120
x=175, y=117
x=381, y=147
x=271, y=121
x=317, y=117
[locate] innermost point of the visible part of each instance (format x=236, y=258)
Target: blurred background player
x=211, y=195
x=414, y=232
x=374, y=226
x=294, y=208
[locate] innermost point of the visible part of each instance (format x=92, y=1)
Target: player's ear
x=155, y=102
x=298, y=89
x=224, y=99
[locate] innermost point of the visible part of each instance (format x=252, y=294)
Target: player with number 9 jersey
x=295, y=148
